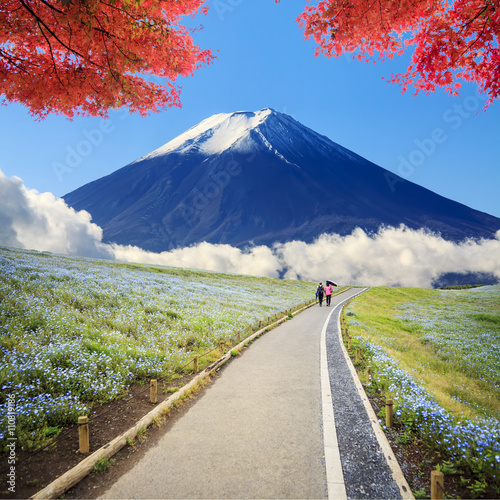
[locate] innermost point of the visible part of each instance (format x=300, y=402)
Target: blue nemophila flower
x=471, y=441
x=83, y=331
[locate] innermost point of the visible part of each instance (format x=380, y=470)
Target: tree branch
x=369, y=8
x=41, y=22
x=51, y=53
x=52, y=7
x=485, y=8
x=121, y=10
x=16, y=61
x=381, y=16
x=105, y=32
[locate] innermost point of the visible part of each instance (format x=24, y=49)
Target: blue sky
x=448, y=145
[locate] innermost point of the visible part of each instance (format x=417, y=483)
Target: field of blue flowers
x=75, y=332
x=462, y=329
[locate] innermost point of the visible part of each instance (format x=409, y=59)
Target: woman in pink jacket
x=328, y=294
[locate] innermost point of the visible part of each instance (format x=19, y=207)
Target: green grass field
x=448, y=340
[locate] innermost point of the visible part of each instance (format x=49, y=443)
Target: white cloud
x=259, y=261
x=43, y=222
x=393, y=256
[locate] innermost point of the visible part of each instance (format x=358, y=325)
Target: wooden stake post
x=83, y=434
x=436, y=490
x=153, y=391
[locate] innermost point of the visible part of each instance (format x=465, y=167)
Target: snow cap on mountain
x=248, y=131
x=215, y=134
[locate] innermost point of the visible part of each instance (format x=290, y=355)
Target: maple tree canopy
x=455, y=40
x=88, y=56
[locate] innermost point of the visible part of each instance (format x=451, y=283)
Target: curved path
x=257, y=431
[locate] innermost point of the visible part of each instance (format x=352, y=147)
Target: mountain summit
x=261, y=177
x=244, y=132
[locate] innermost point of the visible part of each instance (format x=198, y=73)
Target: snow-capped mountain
x=261, y=177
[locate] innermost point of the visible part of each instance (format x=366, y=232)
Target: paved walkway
x=256, y=432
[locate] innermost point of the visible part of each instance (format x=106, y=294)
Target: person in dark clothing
x=319, y=292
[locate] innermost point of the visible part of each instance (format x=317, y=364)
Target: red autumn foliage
x=454, y=40
x=86, y=57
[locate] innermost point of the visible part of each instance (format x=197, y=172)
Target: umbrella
x=332, y=283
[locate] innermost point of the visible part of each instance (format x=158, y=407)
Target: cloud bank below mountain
x=392, y=256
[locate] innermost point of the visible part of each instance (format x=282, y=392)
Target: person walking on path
x=328, y=294
x=319, y=292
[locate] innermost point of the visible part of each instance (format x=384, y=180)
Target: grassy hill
x=75, y=331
